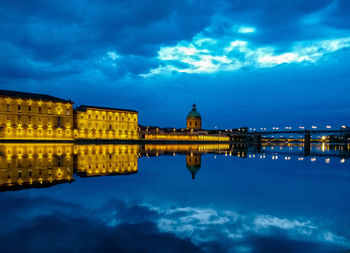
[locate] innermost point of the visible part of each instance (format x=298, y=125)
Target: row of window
x=39, y=131
x=19, y=120
x=49, y=110
x=110, y=118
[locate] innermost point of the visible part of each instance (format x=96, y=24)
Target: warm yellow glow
x=96, y=123
x=98, y=160
x=186, y=137
x=30, y=164
x=34, y=119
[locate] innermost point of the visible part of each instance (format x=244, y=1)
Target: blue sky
x=244, y=63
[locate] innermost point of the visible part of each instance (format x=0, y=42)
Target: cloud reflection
x=127, y=227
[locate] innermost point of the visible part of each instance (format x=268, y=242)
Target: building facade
x=93, y=122
x=35, y=116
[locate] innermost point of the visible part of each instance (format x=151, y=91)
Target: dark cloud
x=57, y=226
x=43, y=224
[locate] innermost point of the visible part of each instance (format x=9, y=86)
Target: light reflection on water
x=208, y=197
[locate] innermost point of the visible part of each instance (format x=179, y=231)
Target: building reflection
x=193, y=163
x=35, y=165
x=101, y=160
x=193, y=152
x=42, y=165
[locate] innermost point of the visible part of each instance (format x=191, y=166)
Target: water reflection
x=41, y=165
x=243, y=198
x=101, y=160
x=38, y=165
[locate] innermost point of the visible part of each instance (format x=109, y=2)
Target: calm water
x=180, y=198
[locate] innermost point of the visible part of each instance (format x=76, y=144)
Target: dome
x=193, y=169
x=194, y=113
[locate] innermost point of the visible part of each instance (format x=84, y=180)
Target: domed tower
x=193, y=164
x=194, y=119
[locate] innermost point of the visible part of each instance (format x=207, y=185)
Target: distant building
x=194, y=119
x=35, y=116
x=94, y=122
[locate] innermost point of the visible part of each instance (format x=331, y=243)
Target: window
x=195, y=123
x=29, y=120
x=190, y=123
x=59, y=121
x=49, y=111
x=39, y=109
x=67, y=112
x=8, y=117
x=89, y=116
x=19, y=119
x=96, y=117
x=110, y=127
x=19, y=108
x=29, y=108
x=110, y=117
x=8, y=107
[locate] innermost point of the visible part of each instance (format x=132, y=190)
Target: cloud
x=210, y=55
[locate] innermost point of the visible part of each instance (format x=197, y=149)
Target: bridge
x=263, y=136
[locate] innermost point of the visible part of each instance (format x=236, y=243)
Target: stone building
x=94, y=122
x=35, y=116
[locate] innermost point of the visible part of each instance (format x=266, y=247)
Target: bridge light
x=328, y=127
x=301, y=127
x=327, y=160
x=314, y=127
x=342, y=160
x=313, y=159
x=343, y=126
x=323, y=137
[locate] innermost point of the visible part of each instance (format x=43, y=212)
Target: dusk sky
x=244, y=63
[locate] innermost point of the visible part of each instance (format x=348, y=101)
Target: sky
x=249, y=63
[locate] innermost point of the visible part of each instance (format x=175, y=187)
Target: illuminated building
x=187, y=148
x=93, y=122
x=99, y=160
x=194, y=119
x=193, y=164
x=35, y=116
x=35, y=165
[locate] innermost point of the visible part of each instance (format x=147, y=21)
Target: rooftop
x=85, y=107
x=27, y=95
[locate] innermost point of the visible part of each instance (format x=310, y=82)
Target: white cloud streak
x=205, y=55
